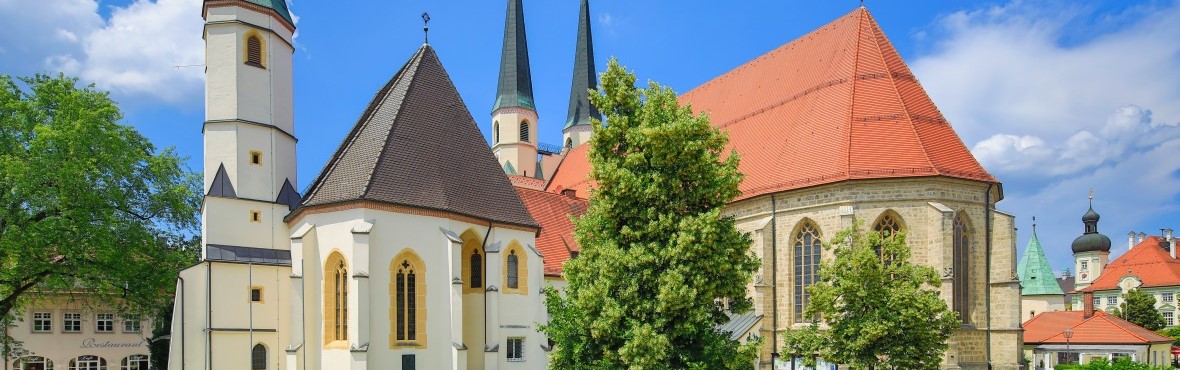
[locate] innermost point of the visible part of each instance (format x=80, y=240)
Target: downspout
x=250, y=282
x=208, y=315
x=774, y=279
x=987, y=222
x=483, y=270
x=182, y=337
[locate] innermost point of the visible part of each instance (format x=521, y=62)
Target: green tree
x=1139, y=308
x=1121, y=363
x=660, y=266
x=876, y=312
x=86, y=204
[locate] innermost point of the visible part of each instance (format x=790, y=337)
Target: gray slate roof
x=417, y=145
x=515, y=88
x=580, y=110
x=739, y=324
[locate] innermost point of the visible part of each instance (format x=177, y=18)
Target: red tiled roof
x=1102, y=328
x=836, y=104
x=1146, y=261
x=526, y=182
x=553, y=212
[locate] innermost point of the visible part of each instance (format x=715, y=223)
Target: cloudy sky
x=1053, y=97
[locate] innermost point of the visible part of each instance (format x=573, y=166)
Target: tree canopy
x=1138, y=307
x=877, y=310
x=660, y=266
x=87, y=205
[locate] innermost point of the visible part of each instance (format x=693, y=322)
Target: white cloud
x=1055, y=99
x=133, y=53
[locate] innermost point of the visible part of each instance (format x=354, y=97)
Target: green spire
x=279, y=6
x=581, y=111
x=516, y=82
x=1036, y=277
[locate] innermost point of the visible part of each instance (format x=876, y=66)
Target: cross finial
x=426, y=27
x=1034, y=224
x=1091, y=197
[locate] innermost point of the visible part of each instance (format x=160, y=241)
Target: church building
x=393, y=259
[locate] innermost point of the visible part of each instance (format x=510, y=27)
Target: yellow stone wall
x=926, y=207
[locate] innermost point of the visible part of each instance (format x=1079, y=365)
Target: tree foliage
x=1138, y=307
x=876, y=312
x=659, y=265
x=87, y=205
x=1121, y=363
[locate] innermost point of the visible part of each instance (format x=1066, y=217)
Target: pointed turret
x=515, y=88
x=514, y=117
x=577, y=123
x=1036, y=276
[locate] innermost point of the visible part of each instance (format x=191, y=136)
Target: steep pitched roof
x=1036, y=277
x=580, y=110
x=515, y=87
x=553, y=211
x=1147, y=261
x=221, y=186
x=279, y=7
x=836, y=104
x=1102, y=328
x=417, y=145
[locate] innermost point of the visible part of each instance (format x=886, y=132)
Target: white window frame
x=69, y=318
x=1170, y=318
x=42, y=322
x=1167, y=297
x=104, y=323
x=1112, y=300
x=135, y=325
x=515, y=353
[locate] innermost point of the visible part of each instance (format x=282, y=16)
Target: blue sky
x=1053, y=97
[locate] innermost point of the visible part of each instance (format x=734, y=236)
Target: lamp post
x=1068, y=333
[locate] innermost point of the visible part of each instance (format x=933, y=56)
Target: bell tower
x=249, y=129
x=577, y=128
x=514, y=117
x=1091, y=251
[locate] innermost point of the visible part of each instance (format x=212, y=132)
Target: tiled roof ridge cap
x=416, y=60
x=346, y=143
x=1119, y=324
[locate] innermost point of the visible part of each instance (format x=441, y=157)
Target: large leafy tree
x=660, y=266
x=877, y=310
x=1138, y=307
x=87, y=205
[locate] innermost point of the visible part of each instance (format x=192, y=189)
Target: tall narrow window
x=513, y=271
x=888, y=225
x=807, y=253
x=496, y=132
x=254, y=51
x=258, y=357
x=524, y=131
x=569, y=142
x=335, y=299
x=961, y=242
x=476, y=269
x=407, y=301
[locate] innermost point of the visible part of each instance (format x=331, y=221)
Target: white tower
x=231, y=308
x=514, y=116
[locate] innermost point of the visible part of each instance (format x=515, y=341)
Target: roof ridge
x=1120, y=326
x=879, y=38
x=364, y=121
x=852, y=95
x=416, y=60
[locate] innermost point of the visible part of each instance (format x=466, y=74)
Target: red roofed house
x=1071, y=337
x=1150, y=265
x=833, y=127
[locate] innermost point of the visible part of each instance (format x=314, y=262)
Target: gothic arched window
x=960, y=245
x=569, y=142
x=476, y=269
x=513, y=271
x=807, y=252
x=889, y=224
x=258, y=357
x=335, y=299
x=524, y=131
x=254, y=51
x=409, y=293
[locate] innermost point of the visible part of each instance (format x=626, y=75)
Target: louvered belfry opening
x=254, y=51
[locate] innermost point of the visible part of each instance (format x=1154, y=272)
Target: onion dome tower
x=1091, y=251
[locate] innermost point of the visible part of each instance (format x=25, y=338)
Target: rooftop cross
x=426, y=27
x=1091, y=197
x=1034, y=224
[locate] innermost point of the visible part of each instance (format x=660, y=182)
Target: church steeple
x=515, y=88
x=577, y=123
x=514, y=117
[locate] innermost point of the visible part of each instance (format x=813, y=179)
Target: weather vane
x=426, y=27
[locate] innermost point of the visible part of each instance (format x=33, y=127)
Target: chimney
x=1142, y=236
x=569, y=193
x=1130, y=240
x=1088, y=303
x=1168, y=234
